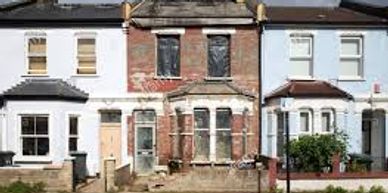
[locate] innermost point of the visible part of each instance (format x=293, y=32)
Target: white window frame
x=70, y=136
x=309, y=57
x=359, y=57
x=85, y=35
x=310, y=119
x=34, y=157
x=32, y=35
x=332, y=120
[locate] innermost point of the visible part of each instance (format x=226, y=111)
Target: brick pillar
x=67, y=175
x=272, y=173
x=237, y=132
x=174, y=136
x=336, y=162
x=131, y=136
x=187, y=141
x=110, y=165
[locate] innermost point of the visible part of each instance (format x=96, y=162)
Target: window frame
x=359, y=57
x=35, y=136
x=110, y=111
x=179, y=70
x=310, y=119
x=72, y=136
x=224, y=129
x=332, y=120
x=28, y=37
x=209, y=156
x=80, y=36
x=309, y=57
x=229, y=38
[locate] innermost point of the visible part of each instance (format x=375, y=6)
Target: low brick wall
x=213, y=179
x=56, y=178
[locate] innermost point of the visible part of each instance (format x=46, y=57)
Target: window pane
x=224, y=145
x=86, y=46
x=28, y=125
x=223, y=119
x=43, y=146
x=87, y=61
x=29, y=145
x=144, y=138
x=37, y=46
x=326, y=122
x=300, y=67
x=300, y=47
x=41, y=125
x=37, y=65
x=168, y=56
x=73, y=125
x=201, y=145
x=73, y=144
x=350, y=47
x=218, y=56
x=350, y=67
x=304, y=122
x=145, y=116
x=201, y=118
x=111, y=117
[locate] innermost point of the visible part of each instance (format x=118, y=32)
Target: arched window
x=327, y=120
x=305, y=121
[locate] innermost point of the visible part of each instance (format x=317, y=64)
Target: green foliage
x=332, y=189
x=276, y=189
x=376, y=189
x=21, y=187
x=360, y=189
x=313, y=153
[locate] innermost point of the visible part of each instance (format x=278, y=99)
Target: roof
x=210, y=88
x=45, y=89
x=319, y=15
x=192, y=13
x=367, y=8
x=48, y=12
x=308, y=89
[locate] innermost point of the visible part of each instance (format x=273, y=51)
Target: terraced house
x=194, y=65
x=63, y=81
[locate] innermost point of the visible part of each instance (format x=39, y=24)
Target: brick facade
x=193, y=67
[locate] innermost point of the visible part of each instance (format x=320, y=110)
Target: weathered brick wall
x=55, y=178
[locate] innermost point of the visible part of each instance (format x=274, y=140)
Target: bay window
x=35, y=135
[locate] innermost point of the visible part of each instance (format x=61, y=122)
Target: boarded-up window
x=35, y=138
x=37, y=60
x=73, y=133
x=86, y=56
x=168, y=56
x=219, y=56
x=223, y=133
x=201, y=134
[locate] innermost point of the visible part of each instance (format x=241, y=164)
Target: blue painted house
x=331, y=64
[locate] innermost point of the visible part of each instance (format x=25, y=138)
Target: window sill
x=351, y=78
x=85, y=76
x=36, y=75
x=33, y=160
x=167, y=78
x=219, y=78
x=301, y=78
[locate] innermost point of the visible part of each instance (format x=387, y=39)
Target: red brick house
x=193, y=79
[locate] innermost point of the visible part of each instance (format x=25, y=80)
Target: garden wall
x=55, y=178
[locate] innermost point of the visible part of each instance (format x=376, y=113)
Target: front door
x=145, y=149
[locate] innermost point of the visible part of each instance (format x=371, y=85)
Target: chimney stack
x=126, y=10
x=261, y=12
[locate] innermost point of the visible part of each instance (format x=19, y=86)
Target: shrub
x=376, y=189
x=332, y=189
x=360, y=189
x=21, y=187
x=313, y=153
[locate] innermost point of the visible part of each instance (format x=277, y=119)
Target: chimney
x=261, y=12
x=126, y=10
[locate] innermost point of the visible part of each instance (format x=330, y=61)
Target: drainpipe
x=260, y=19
